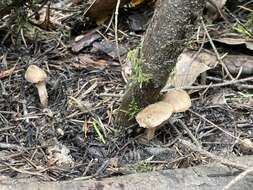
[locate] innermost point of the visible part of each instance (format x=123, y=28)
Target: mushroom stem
x=42, y=91
x=150, y=133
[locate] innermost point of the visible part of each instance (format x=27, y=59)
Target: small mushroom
x=154, y=116
x=179, y=100
x=246, y=146
x=37, y=76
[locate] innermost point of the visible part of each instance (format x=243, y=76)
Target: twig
x=93, y=2
x=216, y=126
x=216, y=51
x=238, y=178
x=6, y=128
x=194, y=139
x=233, y=82
x=219, y=10
x=11, y=146
x=30, y=173
x=212, y=156
x=116, y=30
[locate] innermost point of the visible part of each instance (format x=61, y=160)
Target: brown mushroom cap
x=34, y=74
x=246, y=146
x=179, y=100
x=154, y=115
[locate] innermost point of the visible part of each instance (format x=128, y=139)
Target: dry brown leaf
x=109, y=48
x=50, y=21
x=219, y=99
x=135, y=3
x=84, y=41
x=239, y=63
x=189, y=68
x=236, y=41
x=85, y=60
x=101, y=20
x=214, y=8
x=102, y=8
x=231, y=41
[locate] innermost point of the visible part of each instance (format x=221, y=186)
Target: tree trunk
x=172, y=24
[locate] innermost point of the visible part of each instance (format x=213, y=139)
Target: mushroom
x=37, y=76
x=178, y=99
x=154, y=116
x=246, y=146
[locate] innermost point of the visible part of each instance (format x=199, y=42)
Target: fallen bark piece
x=209, y=177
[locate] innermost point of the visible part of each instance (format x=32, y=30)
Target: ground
x=85, y=87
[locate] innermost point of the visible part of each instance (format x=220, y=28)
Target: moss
x=133, y=109
x=142, y=166
x=135, y=56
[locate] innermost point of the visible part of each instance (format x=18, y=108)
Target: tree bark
x=172, y=24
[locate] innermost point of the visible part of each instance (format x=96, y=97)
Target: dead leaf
x=249, y=45
x=236, y=41
x=49, y=23
x=214, y=8
x=231, y=41
x=189, y=68
x=136, y=22
x=84, y=41
x=101, y=20
x=59, y=154
x=85, y=60
x=135, y=3
x=102, y=8
x=109, y=48
x=239, y=63
x=219, y=99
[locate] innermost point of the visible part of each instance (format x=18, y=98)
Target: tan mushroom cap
x=179, y=100
x=246, y=145
x=34, y=74
x=154, y=115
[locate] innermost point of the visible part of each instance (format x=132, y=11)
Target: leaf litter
x=75, y=136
